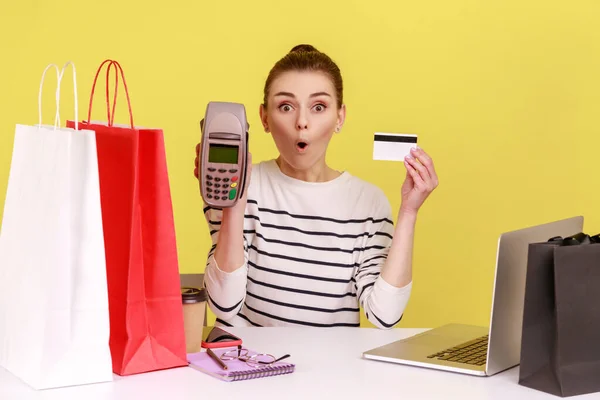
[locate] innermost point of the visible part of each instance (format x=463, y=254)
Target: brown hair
x=305, y=57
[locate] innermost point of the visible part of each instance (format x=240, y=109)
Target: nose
x=302, y=121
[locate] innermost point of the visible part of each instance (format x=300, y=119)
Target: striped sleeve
x=226, y=290
x=382, y=303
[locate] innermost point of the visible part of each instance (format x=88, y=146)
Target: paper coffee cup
x=194, y=309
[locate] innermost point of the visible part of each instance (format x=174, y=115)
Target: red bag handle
x=120, y=69
x=110, y=116
x=92, y=94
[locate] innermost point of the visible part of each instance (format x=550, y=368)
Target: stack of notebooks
x=236, y=369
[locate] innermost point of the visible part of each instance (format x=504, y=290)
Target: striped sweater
x=313, y=254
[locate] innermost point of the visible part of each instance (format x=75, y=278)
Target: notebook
x=237, y=369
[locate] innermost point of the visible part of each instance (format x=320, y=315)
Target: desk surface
x=328, y=365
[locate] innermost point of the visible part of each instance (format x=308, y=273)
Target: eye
x=285, y=107
x=320, y=107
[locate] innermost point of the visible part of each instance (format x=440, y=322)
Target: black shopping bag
x=560, y=343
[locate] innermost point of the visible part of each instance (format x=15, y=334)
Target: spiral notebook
x=237, y=370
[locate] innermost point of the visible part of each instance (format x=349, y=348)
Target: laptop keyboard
x=473, y=352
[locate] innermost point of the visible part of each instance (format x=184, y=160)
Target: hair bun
x=303, y=48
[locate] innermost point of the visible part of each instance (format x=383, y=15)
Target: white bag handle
x=56, y=117
x=62, y=71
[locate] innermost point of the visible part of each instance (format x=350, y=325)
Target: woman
x=309, y=245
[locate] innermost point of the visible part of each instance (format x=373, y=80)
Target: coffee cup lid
x=192, y=295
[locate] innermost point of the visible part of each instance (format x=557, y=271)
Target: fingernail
x=414, y=149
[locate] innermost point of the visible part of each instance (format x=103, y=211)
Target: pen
x=217, y=359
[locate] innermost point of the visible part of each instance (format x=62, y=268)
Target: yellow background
x=505, y=95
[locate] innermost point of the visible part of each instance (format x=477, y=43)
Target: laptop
x=478, y=350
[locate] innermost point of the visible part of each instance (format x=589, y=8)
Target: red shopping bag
x=146, y=315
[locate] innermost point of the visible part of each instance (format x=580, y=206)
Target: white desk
x=328, y=366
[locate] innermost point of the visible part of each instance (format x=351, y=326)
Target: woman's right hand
x=229, y=252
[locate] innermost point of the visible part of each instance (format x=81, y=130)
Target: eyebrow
x=288, y=94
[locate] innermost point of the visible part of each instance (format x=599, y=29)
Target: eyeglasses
x=255, y=360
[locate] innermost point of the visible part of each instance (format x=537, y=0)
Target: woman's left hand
x=421, y=180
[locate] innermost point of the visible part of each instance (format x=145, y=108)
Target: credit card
x=393, y=146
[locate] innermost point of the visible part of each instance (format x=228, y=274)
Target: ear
x=341, y=118
x=263, y=117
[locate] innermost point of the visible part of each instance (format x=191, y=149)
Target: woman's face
x=302, y=116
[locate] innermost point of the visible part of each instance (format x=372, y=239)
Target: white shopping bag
x=54, y=321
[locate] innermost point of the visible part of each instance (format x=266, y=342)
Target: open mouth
x=301, y=146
